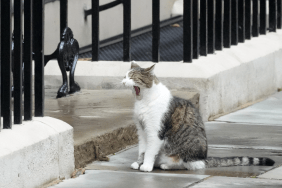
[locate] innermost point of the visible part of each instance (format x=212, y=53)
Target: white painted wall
x=36, y=153
x=225, y=80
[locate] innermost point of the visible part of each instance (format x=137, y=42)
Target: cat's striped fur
x=170, y=129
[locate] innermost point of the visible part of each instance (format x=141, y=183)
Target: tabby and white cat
x=170, y=129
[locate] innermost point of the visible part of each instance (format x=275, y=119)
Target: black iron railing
x=208, y=25
x=33, y=10
x=95, y=26
x=31, y=49
x=218, y=25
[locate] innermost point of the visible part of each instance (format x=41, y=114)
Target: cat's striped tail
x=237, y=161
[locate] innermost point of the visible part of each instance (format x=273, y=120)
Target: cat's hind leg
x=172, y=162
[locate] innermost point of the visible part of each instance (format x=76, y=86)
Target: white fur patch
x=135, y=166
x=237, y=161
x=164, y=167
x=127, y=81
x=245, y=161
x=256, y=161
x=195, y=165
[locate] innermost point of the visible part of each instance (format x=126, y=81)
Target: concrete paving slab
x=225, y=139
x=223, y=182
x=247, y=135
x=267, y=112
x=273, y=174
x=109, y=179
x=122, y=161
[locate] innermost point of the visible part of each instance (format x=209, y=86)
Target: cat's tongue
x=137, y=90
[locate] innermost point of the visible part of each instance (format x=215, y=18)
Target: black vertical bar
x=156, y=31
x=241, y=21
x=38, y=31
x=188, y=31
x=227, y=24
x=219, y=25
x=248, y=20
x=211, y=26
x=127, y=30
x=273, y=15
x=279, y=14
x=28, y=59
x=256, y=18
x=204, y=27
x=263, y=17
x=0, y=70
x=95, y=30
x=63, y=15
x=18, y=61
x=196, y=29
x=234, y=25
x=6, y=47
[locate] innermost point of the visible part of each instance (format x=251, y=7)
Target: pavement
x=255, y=131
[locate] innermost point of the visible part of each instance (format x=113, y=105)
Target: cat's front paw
x=146, y=168
x=135, y=166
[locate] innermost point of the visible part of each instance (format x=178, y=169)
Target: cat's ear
x=134, y=65
x=150, y=69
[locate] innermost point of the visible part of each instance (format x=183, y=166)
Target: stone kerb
x=36, y=153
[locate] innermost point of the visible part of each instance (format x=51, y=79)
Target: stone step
x=102, y=120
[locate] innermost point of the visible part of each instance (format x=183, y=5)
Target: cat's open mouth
x=137, y=90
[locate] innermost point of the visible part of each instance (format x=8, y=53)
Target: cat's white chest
x=152, y=107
